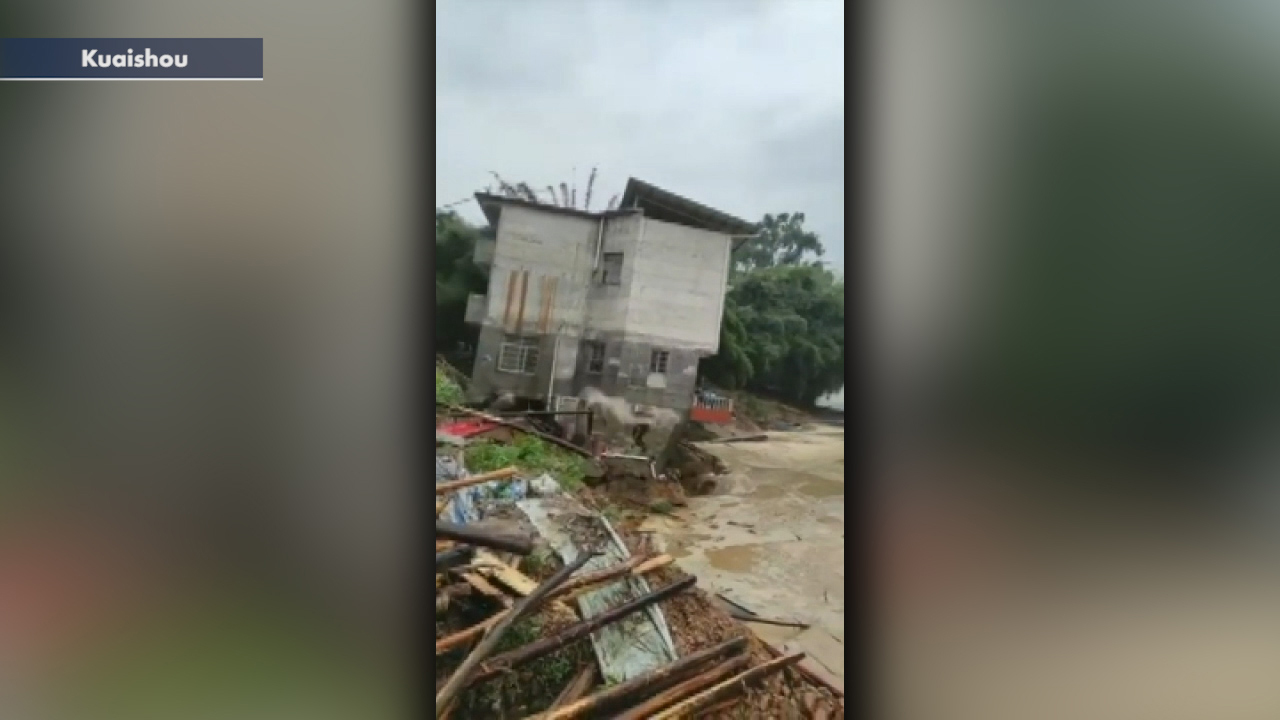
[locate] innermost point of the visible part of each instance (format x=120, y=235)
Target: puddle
x=736, y=559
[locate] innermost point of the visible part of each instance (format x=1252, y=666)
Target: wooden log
x=514, y=426
x=452, y=485
x=577, y=687
x=460, y=677
x=735, y=684
x=718, y=707
x=653, y=564
x=501, y=663
x=693, y=685
x=460, y=555
x=487, y=589
x=484, y=538
x=807, y=672
x=568, y=591
x=656, y=679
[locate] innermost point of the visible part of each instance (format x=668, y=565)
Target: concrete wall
x=670, y=297
x=678, y=286
x=486, y=378
x=538, y=286
x=544, y=258
x=607, y=309
x=626, y=372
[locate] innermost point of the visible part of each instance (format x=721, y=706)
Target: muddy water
x=771, y=538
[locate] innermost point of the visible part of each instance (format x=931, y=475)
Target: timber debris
x=546, y=609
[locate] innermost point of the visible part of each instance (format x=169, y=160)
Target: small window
x=518, y=355
x=595, y=357
x=658, y=361
x=611, y=269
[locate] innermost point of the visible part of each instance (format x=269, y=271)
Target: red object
x=467, y=428
x=709, y=409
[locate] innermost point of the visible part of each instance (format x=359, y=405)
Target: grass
x=532, y=455
x=447, y=391
x=539, y=563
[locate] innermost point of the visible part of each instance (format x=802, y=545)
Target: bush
x=530, y=454
x=447, y=391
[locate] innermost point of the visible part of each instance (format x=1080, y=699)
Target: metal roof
x=639, y=196
x=665, y=205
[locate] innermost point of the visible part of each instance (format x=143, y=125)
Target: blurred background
x=1076, y=357
x=206, y=302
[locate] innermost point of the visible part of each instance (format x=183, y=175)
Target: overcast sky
x=733, y=103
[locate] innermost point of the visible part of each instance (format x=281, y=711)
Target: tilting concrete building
x=626, y=301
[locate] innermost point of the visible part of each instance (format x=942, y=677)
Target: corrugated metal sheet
x=625, y=649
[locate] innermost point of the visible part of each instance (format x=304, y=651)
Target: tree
x=457, y=277
x=783, y=240
x=783, y=328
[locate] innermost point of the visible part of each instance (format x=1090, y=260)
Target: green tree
x=783, y=328
x=457, y=277
x=783, y=240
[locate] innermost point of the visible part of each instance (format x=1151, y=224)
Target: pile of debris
x=545, y=609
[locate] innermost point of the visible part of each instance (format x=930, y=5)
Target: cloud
x=734, y=103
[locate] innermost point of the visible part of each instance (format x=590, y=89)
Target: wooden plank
x=544, y=305
x=577, y=687
x=524, y=290
x=813, y=671
x=474, y=534
x=511, y=578
x=452, y=485
x=730, y=687
x=511, y=295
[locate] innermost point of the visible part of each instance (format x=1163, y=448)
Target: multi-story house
x=626, y=301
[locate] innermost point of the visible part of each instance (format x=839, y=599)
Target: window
x=658, y=361
x=611, y=269
x=518, y=355
x=595, y=357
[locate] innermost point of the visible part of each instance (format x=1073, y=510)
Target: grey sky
x=733, y=103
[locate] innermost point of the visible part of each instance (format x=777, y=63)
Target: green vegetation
x=783, y=328
x=531, y=454
x=529, y=688
x=457, y=276
x=447, y=391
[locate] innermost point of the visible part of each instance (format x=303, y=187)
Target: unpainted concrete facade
x=548, y=285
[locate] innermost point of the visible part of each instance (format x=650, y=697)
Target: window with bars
x=595, y=356
x=518, y=355
x=658, y=361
